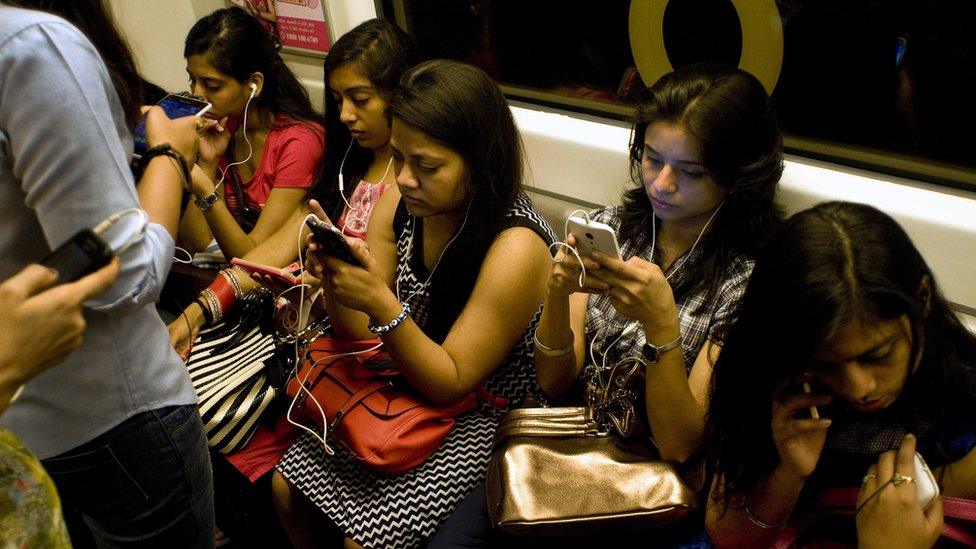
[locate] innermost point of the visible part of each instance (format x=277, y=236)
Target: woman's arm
x=277, y=251
x=294, y=155
x=563, y=323
x=488, y=326
x=771, y=503
x=754, y=519
x=505, y=297
x=350, y=323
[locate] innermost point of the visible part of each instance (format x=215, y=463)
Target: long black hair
x=382, y=52
x=828, y=266
x=95, y=21
x=728, y=111
x=237, y=45
x=460, y=107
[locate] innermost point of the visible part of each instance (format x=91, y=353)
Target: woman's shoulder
x=523, y=214
x=287, y=126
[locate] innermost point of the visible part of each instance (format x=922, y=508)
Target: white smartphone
x=593, y=236
x=928, y=489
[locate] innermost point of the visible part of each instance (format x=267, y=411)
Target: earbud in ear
x=254, y=90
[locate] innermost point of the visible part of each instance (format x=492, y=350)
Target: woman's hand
x=359, y=288
x=564, y=276
x=798, y=441
x=181, y=133
x=41, y=325
x=638, y=290
x=214, y=138
x=185, y=328
x=200, y=183
x=890, y=514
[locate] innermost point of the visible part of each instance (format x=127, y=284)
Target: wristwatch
x=206, y=202
x=652, y=353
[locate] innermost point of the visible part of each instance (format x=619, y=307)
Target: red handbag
x=370, y=409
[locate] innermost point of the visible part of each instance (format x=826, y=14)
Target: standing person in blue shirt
x=115, y=425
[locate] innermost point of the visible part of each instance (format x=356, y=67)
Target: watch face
x=651, y=353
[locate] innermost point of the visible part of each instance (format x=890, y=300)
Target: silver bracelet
x=549, y=351
x=758, y=521
x=385, y=328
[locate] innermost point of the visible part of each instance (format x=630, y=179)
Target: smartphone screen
x=176, y=106
x=331, y=241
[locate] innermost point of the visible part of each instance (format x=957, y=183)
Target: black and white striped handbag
x=234, y=370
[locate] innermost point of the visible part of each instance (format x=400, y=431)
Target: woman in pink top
x=261, y=143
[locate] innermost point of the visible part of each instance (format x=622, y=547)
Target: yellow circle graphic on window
x=762, y=39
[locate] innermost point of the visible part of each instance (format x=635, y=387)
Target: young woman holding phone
x=705, y=159
x=840, y=300
x=451, y=281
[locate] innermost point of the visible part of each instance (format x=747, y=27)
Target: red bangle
x=224, y=294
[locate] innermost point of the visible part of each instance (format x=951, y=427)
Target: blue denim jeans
x=145, y=483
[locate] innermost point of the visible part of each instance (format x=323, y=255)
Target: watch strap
x=652, y=353
x=204, y=203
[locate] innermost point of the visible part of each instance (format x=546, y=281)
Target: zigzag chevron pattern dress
x=404, y=511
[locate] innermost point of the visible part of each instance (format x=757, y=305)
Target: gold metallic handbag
x=563, y=470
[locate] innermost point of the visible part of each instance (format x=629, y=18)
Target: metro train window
x=878, y=84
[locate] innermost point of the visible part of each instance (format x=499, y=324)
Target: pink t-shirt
x=355, y=219
x=291, y=154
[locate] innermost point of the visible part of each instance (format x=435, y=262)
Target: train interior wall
x=579, y=161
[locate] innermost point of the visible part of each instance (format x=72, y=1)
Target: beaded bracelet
x=549, y=351
x=385, y=328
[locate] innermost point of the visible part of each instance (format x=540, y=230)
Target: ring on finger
x=899, y=479
x=200, y=123
x=868, y=477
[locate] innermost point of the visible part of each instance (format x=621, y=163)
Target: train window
x=870, y=83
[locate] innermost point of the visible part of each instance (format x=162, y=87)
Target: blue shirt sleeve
x=69, y=147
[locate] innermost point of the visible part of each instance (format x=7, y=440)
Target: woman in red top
x=261, y=142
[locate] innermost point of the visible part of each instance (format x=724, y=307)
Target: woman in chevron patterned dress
x=453, y=279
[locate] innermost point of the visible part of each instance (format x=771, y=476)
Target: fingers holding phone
x=566, y=276
x=40, y=324
x=181, y=133
x=799, y=438
x=890, y=510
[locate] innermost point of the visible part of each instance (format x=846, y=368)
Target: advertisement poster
x=298, y=24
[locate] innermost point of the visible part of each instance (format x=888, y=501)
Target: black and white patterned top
x=604, y=326
x=404, y=510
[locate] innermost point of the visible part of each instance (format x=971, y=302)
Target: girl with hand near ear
x=840, y=301
x=262, y=138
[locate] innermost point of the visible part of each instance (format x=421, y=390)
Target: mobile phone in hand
x=279, y=274
x=594, y=236
x=83, y=254
x=331, y=240
x=176, y=106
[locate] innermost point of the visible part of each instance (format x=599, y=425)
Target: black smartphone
x=84, y=253
x=331, y=239
x=176, y=106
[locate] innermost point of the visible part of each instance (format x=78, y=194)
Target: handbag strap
x=355, y=399
x=844, y=500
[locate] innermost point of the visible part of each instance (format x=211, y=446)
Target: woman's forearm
x=675, y=416
x=556, y=374
x=756, y=519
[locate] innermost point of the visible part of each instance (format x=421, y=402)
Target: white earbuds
x=254, y=90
